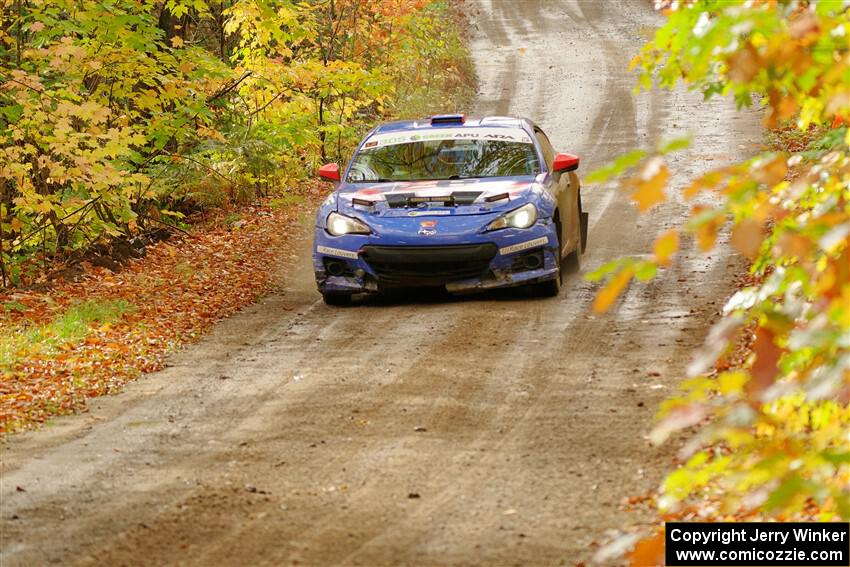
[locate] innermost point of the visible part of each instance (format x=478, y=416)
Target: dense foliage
x=770, y=435
x=119, y=115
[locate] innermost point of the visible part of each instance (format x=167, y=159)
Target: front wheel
x=550, y=288
x=337, y=299
x=572, y=263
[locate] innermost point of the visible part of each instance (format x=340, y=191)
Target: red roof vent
x=448, y=119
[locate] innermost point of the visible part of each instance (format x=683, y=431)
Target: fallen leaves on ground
x=176, y=292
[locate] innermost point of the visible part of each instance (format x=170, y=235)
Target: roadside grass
x=286, y=201
x=87, y=338
x=22, y=340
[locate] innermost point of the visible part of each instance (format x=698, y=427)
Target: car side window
x=546, y=146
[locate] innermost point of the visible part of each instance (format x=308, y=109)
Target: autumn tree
x=118, y=116
x=769, y=437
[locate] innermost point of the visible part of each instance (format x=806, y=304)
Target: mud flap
x=583, y=220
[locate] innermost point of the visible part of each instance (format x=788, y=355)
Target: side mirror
x=329, y=172
x=565, y=162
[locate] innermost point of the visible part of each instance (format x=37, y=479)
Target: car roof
x=486, y=121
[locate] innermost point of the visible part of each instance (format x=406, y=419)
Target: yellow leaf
x=210, y=133
x=649, y=187
x=732, y=382
x=612, y=290
x=665, y=246
x=177, y=41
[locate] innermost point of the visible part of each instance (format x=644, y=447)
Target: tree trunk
x=321, y=128
x=167, y=23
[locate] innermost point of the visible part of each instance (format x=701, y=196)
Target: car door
x=565, y=187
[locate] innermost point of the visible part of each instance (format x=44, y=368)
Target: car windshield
x=385, y=159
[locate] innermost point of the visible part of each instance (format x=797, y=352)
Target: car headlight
x=340, y=224
x=522, y=217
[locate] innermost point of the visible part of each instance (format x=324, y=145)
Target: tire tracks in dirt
x=289, y=436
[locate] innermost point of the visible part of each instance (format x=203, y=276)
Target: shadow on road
x=438, y=295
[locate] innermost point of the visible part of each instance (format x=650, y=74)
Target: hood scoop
x=453, y=199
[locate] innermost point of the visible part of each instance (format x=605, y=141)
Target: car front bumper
x=368, y=263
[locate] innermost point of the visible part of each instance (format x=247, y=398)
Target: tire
x=572, y=263
x=551, y=288
x=337, y=299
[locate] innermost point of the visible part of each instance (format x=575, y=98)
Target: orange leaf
x=787, y=107
x=744, y=64
x=648, y=552
x=706, y=232
x=665, y=246
x=707, y=181
x=793, y=245
x=771, y=172
x=649, y=188
x=612, y=290
x=747, y=237
x=706, y=236
x=803, y=23
x=765, y=367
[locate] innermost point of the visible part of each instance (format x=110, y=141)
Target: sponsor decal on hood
x=443, y=188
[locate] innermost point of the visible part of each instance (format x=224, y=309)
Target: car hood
x=414, y=199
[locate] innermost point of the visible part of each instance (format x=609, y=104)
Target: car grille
x=427, y=265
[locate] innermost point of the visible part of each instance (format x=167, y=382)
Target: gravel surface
x=423, y=430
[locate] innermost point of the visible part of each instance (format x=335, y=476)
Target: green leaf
x=603, y=271
x=836, y=458
x=674, y=145
x=645, y=271
x=791, y=487
x=616, y=168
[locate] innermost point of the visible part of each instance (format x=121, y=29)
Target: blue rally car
x=469, y=205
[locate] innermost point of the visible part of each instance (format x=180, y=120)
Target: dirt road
x=492, y=430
